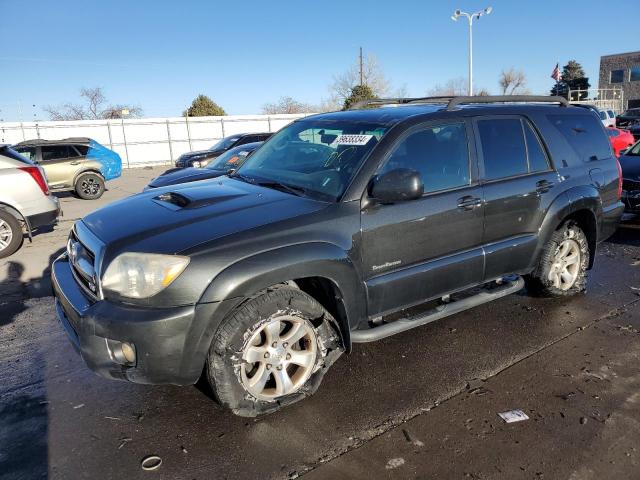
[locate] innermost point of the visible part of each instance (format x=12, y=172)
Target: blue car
x=81, y=165
x=630, y=163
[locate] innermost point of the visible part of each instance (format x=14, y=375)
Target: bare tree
x=288, y=105
x=372, y=76
x=94, y=107
x=453, y=87
x=513, y=82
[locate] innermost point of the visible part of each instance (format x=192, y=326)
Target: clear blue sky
x=160, y=54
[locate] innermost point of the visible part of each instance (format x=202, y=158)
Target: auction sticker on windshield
x=355, y=140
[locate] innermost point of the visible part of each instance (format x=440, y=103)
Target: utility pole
x=361, y=69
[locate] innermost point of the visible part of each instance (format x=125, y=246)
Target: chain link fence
x=149, y=141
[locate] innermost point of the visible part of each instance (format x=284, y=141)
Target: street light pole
x=470, y=16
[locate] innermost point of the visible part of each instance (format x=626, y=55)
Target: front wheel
x=271, y=352
x=89, y=186
x=562, y=270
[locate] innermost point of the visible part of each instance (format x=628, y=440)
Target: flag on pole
x=556, y=75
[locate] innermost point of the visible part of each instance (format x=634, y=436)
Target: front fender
x=317, y=259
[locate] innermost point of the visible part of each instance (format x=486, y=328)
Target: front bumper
x=631, y=199
x=171, y=344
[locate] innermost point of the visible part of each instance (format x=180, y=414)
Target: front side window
x=29, y=152
x=503, y=148
x=314, y=158
x=54, y=152
x=439, y=154
x=617, y=76
x=584, y=134
x=634, y=74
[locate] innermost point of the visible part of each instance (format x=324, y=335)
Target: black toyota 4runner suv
x=344, y=227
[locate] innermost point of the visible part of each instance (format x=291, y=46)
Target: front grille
x=83, y=250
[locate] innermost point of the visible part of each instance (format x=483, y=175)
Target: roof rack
x=453, y=101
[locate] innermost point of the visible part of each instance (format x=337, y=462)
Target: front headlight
x=197, y=164
x=142, y=275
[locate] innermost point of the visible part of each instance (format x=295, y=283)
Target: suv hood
x=207, y=153
x=173, y=219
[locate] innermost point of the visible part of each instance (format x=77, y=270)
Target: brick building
x=622, y=70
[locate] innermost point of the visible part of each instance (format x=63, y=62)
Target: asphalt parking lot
x=422, y=404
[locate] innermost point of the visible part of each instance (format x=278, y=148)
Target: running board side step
x=507, y=287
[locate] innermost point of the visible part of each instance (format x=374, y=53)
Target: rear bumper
x=611, y=216
x=170, y=343
x=44, y=219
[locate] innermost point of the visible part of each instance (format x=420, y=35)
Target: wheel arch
x=581, y=204
x=87, y=170
x=322, y=270
x=21, y=218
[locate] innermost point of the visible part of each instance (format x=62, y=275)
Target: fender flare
x=250, y=275
x=581, y=198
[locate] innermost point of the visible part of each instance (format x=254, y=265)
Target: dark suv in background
x=343, y=227
x=630, y=120
x=201, y=158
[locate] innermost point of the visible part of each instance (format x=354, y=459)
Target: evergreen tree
x=573, y=78
x=203, y=106
x=358, y=93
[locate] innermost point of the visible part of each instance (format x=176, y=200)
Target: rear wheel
x=271, y=352
x=562, y=270
x=10, y=234
x=89, y=186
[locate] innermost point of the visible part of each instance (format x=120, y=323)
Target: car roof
x=66, y=141
x=256, y=133
x=388, y=116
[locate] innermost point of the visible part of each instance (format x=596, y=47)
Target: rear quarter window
x=584, y=134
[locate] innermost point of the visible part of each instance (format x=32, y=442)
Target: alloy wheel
x=90, y=187
x=566, y=264
x=6, y=234
x=279, y=357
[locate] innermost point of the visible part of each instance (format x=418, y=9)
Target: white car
x=25, y=201
x=608, y=118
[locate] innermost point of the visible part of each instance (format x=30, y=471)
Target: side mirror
x=399, y=185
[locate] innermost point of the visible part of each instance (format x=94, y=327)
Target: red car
x=620, y=139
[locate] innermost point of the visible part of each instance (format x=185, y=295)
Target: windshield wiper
x=298, y=191
x=242, y=178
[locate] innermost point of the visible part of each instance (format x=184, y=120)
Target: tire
x=89, y=186
x=10, y=234
x=549, y=279
x=242, y=353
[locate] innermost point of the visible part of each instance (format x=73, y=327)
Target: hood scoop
x=179, y=201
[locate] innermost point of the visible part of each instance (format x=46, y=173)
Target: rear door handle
x=544, y=186
x=469, y=202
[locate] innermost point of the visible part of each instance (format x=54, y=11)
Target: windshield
x=225, y=143
x=231, y=159
x=312, y=158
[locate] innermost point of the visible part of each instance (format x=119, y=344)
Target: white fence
x=147, y=141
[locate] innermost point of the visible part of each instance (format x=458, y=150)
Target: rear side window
x=537, y=158
x=439, y=154
x=55, y=152
x=503, y=148
x=584, y=134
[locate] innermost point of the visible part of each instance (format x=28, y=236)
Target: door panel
x=509, y=148
x=417, y=250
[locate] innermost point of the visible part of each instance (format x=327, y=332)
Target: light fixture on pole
x=470, y=16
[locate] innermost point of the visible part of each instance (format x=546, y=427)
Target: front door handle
x=543, y=186
x=75, y=163
x=469, y=202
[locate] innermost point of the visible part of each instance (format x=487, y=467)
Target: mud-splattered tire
x=272, y=351
x=10, y=234
x=89, y=186
x=562, y=270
